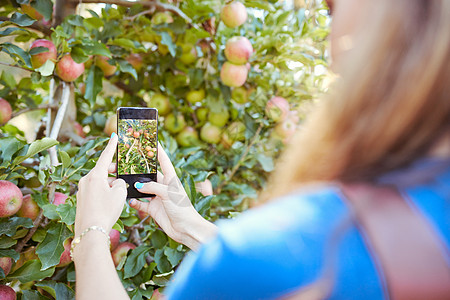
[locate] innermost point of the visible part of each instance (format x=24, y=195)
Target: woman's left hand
x=100, y=199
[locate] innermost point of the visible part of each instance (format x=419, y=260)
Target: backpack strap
x=412, y=259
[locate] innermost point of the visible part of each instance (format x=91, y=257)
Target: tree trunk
x=63, y=8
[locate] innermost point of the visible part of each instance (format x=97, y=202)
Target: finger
x=153, y=188
x=111, y=180
x=160, y=177
x=112, y=168
x=139, y=205
x=165, y=163
x=119, y=185
x=107, y=155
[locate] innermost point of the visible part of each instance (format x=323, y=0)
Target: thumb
x=119, y=186
x=139, y=205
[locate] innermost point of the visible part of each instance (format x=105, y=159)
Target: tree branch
x=46, y=106
x=38, y=26
x=14, y=66
x=241, y=160
x=151, y=4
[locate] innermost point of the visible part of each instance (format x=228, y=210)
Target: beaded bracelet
x=78, y=239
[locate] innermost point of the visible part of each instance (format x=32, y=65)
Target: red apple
x=234, y=14
x=204, y=187
x=107, y=68
x=157, y=295
x=121, y=251
x=114, y=236
x=5, y=264
x=67, y=69
x=60, y=198
x=65, y=259
x=142, y=215
x=10, y=198
x=161, y=103
x=136, y=134
x=5, y=111
x=238, y=50
x=136, y=61
x=79, y=129
x=195, y=96
x=174, y=124
x=37, y=60
x=150, y=154
x=111, y=125
x=188, y=137
x=7, y=293
x=29, y=208
x=233, y=75
x=277, y=109
x=219, y=118
x=31, y=11
x=210, y=133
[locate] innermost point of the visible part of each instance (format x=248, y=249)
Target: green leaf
x=93, y=84
x=65, y=159
x=51, y=248
x=44, y=7
x=266, y=162
x=22, y=19
x=203, y=205
x=47, y=68
x=158, y=239
x=173, y=255
x=17, y=52
x=32, y=295
x=125, y=43
x=95, y=48
x=58, y=290
x=67, y=213
x=6, y=242
x=9, y=226
x=135, y=261
x=166, y=39
x=49, y=211
x=10, y=30
x=126, y=67
x=162, y=263
x=9, y=253
x=31, y=271
x=10, y=145
x=35, y=148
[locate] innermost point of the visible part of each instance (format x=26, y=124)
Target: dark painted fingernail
x=139, y=185
x=113, y=134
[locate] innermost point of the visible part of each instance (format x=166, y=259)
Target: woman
x=387, y=122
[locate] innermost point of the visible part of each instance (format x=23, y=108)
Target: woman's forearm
x=95, y=273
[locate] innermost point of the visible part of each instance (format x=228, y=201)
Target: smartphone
x=137, y=149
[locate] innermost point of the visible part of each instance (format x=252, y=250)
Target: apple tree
x=231, y=80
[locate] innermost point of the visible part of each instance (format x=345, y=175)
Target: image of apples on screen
x=137, y=147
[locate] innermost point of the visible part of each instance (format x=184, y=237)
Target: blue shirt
x=275, y=249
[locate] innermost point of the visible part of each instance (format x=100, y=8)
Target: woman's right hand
x=171, y=207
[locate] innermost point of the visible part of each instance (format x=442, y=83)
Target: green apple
x=219, y=118
x=160, y=102
x=202, y=114
x=240, y=95
x=188, y=137
x=174, y=124
x=210, y=133
x=195, y=96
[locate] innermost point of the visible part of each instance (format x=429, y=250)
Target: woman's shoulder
x=312, y=209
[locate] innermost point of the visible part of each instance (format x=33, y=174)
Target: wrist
x=90, y=237
x=198, y=231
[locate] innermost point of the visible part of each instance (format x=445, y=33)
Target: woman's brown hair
x=390, y=106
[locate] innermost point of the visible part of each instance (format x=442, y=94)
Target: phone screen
x=137, y=150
